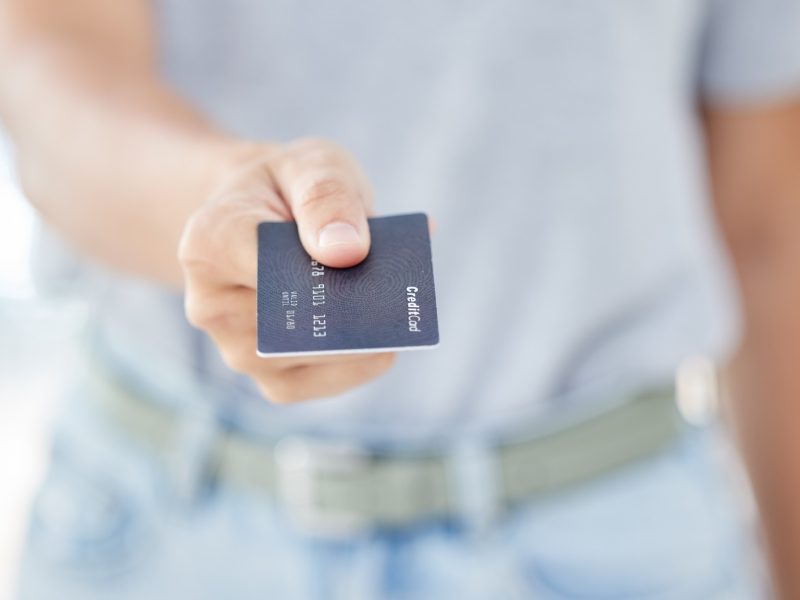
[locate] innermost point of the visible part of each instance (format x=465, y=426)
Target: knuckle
x=230, y=359
x=191, y=253
x=187, y=256
x=319, y=154
x=315, y=145
x=219, y=310
x=276, y=391
x=324, y=191
x=206, y=311
x=383, y=362
x=216, y=247
x=197, y=312
x=236, y=359
x=376, y=366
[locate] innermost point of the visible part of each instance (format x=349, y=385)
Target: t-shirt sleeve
x=751, y=50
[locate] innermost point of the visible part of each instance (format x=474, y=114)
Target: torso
x=555, y=144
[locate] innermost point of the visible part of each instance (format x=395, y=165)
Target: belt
x=333, y=488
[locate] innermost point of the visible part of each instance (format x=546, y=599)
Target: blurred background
x=35, y=359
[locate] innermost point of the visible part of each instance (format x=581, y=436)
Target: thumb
x=328, y=197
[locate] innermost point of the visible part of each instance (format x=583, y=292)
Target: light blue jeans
x=107, y=524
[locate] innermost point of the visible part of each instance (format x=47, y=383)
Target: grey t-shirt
x=556, y=144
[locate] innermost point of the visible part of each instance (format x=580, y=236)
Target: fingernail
x=338, y=233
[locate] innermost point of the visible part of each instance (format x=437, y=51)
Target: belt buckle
x=301, y=464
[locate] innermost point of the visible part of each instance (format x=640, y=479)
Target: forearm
x=107, y=154
x=756, y=170
x=764, y=382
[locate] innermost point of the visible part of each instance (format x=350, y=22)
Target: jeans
x=108, y=523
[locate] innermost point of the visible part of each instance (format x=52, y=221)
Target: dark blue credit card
x=388, y=302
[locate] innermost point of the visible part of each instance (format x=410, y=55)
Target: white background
x=34, y=352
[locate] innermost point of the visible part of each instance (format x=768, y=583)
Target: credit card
x=387, y=302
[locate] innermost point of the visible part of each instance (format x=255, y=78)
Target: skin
x=172, y=198
x=175, y=200
x=754, y=158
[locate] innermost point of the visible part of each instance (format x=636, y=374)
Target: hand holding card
x=320, y=187
x=386, y=302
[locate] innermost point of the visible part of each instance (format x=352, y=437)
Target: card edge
x=351, y=351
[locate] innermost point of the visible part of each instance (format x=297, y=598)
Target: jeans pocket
x=662, y=530
x=92, y=519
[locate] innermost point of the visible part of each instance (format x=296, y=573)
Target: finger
x=318, y=360
x=282, y=380
x=218, y=247
x=329, y=198
x=227, y=315
x=319, y=381
x=236, y=341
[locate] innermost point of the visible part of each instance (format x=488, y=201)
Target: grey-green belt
x=332, y=487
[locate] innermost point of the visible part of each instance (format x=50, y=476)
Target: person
x=566, y=152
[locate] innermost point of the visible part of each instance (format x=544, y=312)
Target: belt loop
x=473, y=484
x=191, y=452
